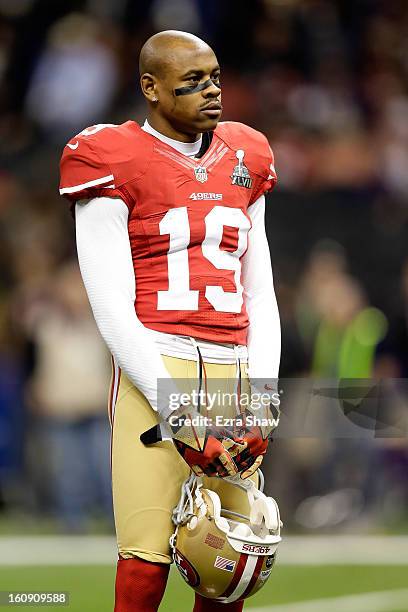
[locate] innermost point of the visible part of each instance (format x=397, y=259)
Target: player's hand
x=206, y=450
x=248, y=446
x=212, y=459
x=201, y=447
x=247, y=452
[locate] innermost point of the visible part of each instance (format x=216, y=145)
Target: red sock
x=203, y=604
x=140, y=585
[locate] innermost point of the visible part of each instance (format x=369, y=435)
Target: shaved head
x=164, y=48
x=180, y=80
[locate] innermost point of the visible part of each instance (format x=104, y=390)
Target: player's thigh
x=146, y=480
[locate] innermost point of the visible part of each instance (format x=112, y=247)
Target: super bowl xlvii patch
x=240, y=175
x=224, y=564
x=201, y=174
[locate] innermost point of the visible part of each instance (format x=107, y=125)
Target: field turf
x=91, y=587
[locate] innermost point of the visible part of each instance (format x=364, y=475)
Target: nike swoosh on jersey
x=73, y=146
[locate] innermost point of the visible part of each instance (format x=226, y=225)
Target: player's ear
x=149, y=87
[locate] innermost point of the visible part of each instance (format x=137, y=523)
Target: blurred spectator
x=394, y=351
x=183, y=14
x=67, y=397
x=336, y=319
x=75, y=79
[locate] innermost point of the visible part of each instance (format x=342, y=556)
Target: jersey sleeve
x=265, y=179
x=84, y=174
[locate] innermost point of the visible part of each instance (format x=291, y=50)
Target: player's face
x=190, y=92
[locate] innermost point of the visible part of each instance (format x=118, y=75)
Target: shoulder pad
x=101, y=159
x=258, y=153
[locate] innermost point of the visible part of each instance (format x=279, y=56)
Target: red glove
x=250, y=444
x=247, y=451
x=201, y=447
x=209, y=457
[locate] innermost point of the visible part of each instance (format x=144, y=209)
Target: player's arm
x=264, y=343
x=264, y=334
x=101, y=214
x=107, y=270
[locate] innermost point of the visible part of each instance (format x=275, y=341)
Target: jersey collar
x=190, y=149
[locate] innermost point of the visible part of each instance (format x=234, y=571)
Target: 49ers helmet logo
x=185, y=568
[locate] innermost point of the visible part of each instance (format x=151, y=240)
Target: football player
x=173, y=253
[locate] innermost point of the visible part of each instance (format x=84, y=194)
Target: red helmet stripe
x=254, y=578
x=237, y=576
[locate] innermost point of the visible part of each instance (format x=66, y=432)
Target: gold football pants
x=146, y=480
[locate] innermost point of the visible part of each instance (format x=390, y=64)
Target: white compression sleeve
x=107, y=270
x=264, y=335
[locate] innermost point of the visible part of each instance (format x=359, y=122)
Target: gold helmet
x=223, y=554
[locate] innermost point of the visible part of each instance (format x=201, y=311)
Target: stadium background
x=327, y=81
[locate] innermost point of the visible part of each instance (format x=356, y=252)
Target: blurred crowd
x=327, y=81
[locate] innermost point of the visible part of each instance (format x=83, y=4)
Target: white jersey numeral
x=225, y=301
x=179, y=296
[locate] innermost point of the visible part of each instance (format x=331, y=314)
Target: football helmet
x=222, y=554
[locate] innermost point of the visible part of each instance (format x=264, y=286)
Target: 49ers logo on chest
x=201, y=174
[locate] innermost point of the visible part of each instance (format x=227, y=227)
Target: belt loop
x=238, y=378
x=199, y=369
x=237, y=362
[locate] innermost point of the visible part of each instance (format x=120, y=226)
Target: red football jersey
x=188, y=222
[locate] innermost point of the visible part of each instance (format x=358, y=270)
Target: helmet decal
x=185, y=568
x=265, y=574
x=224, y=564
x=214, y=541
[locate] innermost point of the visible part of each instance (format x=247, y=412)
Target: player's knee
x=140, y=584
